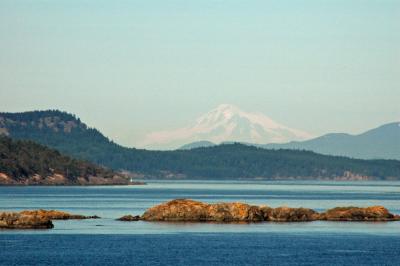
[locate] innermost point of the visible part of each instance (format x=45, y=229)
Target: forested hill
x=59, y=130
x=24, y=162
x=69, y=135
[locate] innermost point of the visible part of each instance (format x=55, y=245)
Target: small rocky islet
x=36, y=219
x=16, y=220
x=186, y=210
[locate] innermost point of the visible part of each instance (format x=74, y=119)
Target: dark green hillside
x=25, y=162
x=68, y=134
x=240, y=161
x=58, y=130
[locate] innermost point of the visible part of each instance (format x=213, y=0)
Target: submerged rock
x=57, y=215
x=15, y=220
x=129, y=218
x=195, y=211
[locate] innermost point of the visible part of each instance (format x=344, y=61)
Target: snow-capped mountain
x=226, y=123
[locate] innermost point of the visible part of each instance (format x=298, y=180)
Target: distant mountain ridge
x=226, y=123
x=379, y=143
x=66, y=133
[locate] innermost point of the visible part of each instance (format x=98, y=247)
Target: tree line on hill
x=22, y=159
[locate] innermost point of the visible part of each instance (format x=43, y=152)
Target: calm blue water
x=109, y=242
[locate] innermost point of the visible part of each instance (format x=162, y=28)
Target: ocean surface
x=106, y=241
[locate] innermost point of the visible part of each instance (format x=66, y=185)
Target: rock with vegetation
x=36, y=219
x=190, y=210
x=194, y=211
x=233, y=212
x=286, y=214
x=15, y=220
x=177, y=210
x=374, y=213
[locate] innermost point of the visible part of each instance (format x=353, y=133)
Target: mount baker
x=226, y=123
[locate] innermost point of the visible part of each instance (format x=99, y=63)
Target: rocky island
x=194, y=211
x=15, y=220
x=36, y=219
x=186, y=210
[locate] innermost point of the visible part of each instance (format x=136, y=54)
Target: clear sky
x=130, y=67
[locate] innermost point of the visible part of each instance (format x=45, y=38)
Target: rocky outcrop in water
x=36, y=219
x=57, y=215
x=190, y=210
x=286, y=214
x=129, y=218
x=186, y=210
x=195, y=211
x=374, y=213
x=15, y=220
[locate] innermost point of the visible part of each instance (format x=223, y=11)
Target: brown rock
x=57, y=215
x=14, y=220
x=177, y=210
x=231, y=212
x=195, y=211
x=190, y=210
x=286, y=214
x=5, y=179
x=374, y=213
x=129, y=218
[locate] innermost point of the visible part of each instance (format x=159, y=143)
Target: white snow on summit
x=226, y=123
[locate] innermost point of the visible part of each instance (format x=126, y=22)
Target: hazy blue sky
x=130, y=67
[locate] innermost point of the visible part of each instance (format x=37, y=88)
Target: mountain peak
x=227, y=108
x=221, y=112
x=225, y=123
